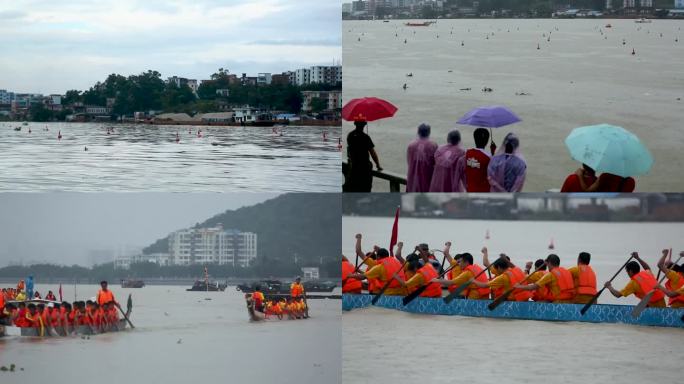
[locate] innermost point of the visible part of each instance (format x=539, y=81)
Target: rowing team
x=99, y=314
x=293, y=308
x=548, y=282
x=61, y=318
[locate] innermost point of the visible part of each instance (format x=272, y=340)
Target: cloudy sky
x=51, y=46
x=66, y=228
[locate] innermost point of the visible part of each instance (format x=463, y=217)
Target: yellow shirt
x=456, y=268
x=462, y=279
x=673, y=277
x=379, y=272
x=501, y=281
x=633, y=288
x=550, y=280
x=535, y=276
x=415, y=281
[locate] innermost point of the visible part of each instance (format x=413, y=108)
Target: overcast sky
x=64, y=228
x=52, y=46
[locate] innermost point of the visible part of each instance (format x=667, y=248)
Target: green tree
x=38, y=112
x=318, y=104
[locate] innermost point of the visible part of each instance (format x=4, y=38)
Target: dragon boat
x=529, y=310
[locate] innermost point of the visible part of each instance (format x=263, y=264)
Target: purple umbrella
x=494, y=116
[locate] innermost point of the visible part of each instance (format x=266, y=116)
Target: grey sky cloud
x=74, y=43
x=11, y=14
x=65, y=228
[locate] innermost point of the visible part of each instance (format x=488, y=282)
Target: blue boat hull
x=598, y=313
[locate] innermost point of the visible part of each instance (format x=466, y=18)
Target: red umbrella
x=368, y=109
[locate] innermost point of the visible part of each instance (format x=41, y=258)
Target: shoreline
x=307, y=123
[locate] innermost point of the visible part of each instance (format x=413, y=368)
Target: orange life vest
x=258, y=298
x=647, y=283
x=2, y=301
x=21, y=320
x=674, y=287
x=392, y=266
x=476, y=270
x=453, y=273
x=586, y=281
x=515, y=276
x=433, y=289
x=104, y=297
x=54, y=317
x=566, y=284
x=350, y=285
x=296, y=290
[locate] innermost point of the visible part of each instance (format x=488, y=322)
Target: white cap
x=50, y=305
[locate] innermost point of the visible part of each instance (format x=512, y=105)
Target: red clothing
x=613, y=183
x=476, y=163
x=572, y=183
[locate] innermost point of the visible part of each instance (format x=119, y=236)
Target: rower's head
x=382, y=253
x=501, y=265
x=21, y=305
x=424, y=131
x=298, y=279
x=257, y=288
x=632, y=268
x=424, y=251
x=466, y=259
x=678, y=268
x=539, y=265
x=40, y=307
x=31, y=308
x=481, y=136
x=454, y=137
x=103, y=284
x=584, y=258
x=553, y=261
x=67, y=306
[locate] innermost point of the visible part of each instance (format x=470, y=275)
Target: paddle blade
x=129, y=303
x=455, y=293
x=591, y=302
x=642, y=304
x=492, y=306
x=376, y=298
x=409, y=298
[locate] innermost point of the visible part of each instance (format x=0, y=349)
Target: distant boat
x=132, y=283
x=642, y=20
x=551, y=246
x=423, y=24
x=385, y=21
x=207, y=286
x=609, y=26
x=487, y=235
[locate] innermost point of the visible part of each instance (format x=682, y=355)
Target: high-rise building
x=212, y=246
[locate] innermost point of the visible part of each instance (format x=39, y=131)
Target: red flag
x=60, y=292
x=395, y=232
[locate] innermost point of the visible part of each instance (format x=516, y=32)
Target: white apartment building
x=679, y=3
x=212, y=246
x=6, y=97
x=302, y=76
x=264, y=78
x=334, y=99
x=325, y=74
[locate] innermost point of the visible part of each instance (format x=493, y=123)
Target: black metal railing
x=395, y=180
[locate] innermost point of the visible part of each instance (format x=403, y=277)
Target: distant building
x=264, y=79
x=217, y=117
x=223, y=92
x=347, y=8
x=281, y=79
x=6, y=97
x=212, y=246
x=326, y=74
x=679, y=4
x=333, y=98
x=248, y=80
x=302, y=76
x=97, y=110
x=180, y=81
x=310, y=273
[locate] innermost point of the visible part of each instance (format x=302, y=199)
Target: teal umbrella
x=611, y=149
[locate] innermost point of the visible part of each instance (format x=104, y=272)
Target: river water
x=580, y=77
x=182, y=338
x=147, y=158
x=444, y=349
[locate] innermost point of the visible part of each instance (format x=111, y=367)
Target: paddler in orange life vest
x=296, y=288
x=506, y=278
x=584, y=278
x=558, y=280
x=374, y=284
x=541, y=294
x=454, y=264
x=349, y=285
x=425, y=273
x=469, y=271
x=386, y=267
x=641, y=283
x=258, y=298
x=675, y=279
x=104, y=295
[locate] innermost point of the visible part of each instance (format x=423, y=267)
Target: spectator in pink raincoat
x=444, y=176
x=421, y=161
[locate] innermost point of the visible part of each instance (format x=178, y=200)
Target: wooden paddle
x=387, y=284
x=411, y=296
x=647, y=298
x=462, y=287
x=492, y=306
x=596, y=296
x=124, y=315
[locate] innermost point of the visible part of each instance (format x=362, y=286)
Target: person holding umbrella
x=507, y=170
x=359, y=178
x=359, y=148
x=420, y=156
